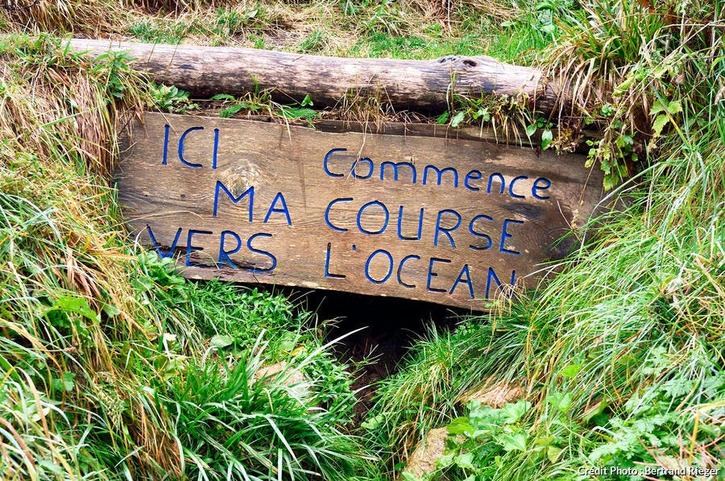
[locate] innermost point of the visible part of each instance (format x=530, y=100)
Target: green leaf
x=530, y=130
x=544, y=5
x=459, y=426
x=231, y=98
x=288, y=342
x=657, y=108
x=220, y=341
x=674, y=107
x=443, y=118
x=457, y=119
x=546, y=137
x=620, y=89
x=76, y=305
x=464, y=461
x=563, y=401
x=514, y=442
x=65, y=383
x=553, y=453
x=230, y=111
x=373, y=423
x=408, y=476
x=610, y=181
x=110, y=310
x=571, y=370
x=299, y=113
x=445, y=460
x=307, y=101
x=606, y=166
x=659, y=124
x=511, y=413
x=483, y=114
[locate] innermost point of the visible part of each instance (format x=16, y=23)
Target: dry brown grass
x=613, y=60
x=56, y=151
x=89, y=17
x=175, y=6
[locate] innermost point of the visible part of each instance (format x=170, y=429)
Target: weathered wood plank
x=420, y=85
x=442, y=220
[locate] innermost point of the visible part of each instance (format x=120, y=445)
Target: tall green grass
x=621, y=354
x=112, y=366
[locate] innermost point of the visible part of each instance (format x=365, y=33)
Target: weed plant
x=509, y=31
x=622, y=352
x=112, y=366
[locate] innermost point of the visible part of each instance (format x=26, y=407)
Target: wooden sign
x=448, y=221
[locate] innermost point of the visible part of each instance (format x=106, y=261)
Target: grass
x=234, y=426
x=101, y=345
x=505, y=30
x=621, y=353
x=113, y=366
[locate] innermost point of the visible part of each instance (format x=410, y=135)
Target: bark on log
x=420, y=85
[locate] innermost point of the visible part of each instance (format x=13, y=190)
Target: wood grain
x=343, y=229
x=420, y=85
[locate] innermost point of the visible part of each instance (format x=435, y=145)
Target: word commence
x=365, y=168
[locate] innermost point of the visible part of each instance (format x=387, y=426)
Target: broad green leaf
x=464, y=461
x=530, y=130
x=65, y=383
x=553, y=453
x=110, y=310
x=610, y=181
x=373, y=423
x=657, y=108
x=512, y=412
x=514, y=442
x=571, y=370
x=674, y=107
x=299, y=113
x=408, y=476
x=563, y=401
x=546, y=137
x=289, y=341
x=624, y=86
x=230, y=111
x=606, y=166
x=457, y=119
x=76, y=305
x=545, y=5
x=445, y=460
x=220, y=341
x=224, y=97
x=459, y=426
x=483, y=114
x=659, y=123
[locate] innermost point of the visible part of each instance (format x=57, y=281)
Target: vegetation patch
x=114, y=366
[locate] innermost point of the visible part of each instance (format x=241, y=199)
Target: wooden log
x=420, y=85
